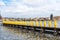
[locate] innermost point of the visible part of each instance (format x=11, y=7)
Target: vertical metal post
x=44, y=23
x=50, y=24
x=36, y=23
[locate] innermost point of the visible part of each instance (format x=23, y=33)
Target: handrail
x=33, y=23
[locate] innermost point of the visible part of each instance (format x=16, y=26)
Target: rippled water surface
x=13, y=33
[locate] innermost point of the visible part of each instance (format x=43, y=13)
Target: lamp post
x=51, y=17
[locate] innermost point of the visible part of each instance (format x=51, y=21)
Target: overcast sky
x=29, y=8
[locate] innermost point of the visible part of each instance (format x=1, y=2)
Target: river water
x=13, y=33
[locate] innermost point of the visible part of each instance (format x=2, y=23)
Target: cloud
x=32, y=2
x=16, y=7
x=30, y=7
x=2, y=3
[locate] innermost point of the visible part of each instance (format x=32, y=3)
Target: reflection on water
x=13, y=33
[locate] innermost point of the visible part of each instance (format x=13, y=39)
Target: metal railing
x=32, y=23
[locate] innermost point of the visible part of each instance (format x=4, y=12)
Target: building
x=57, y=18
